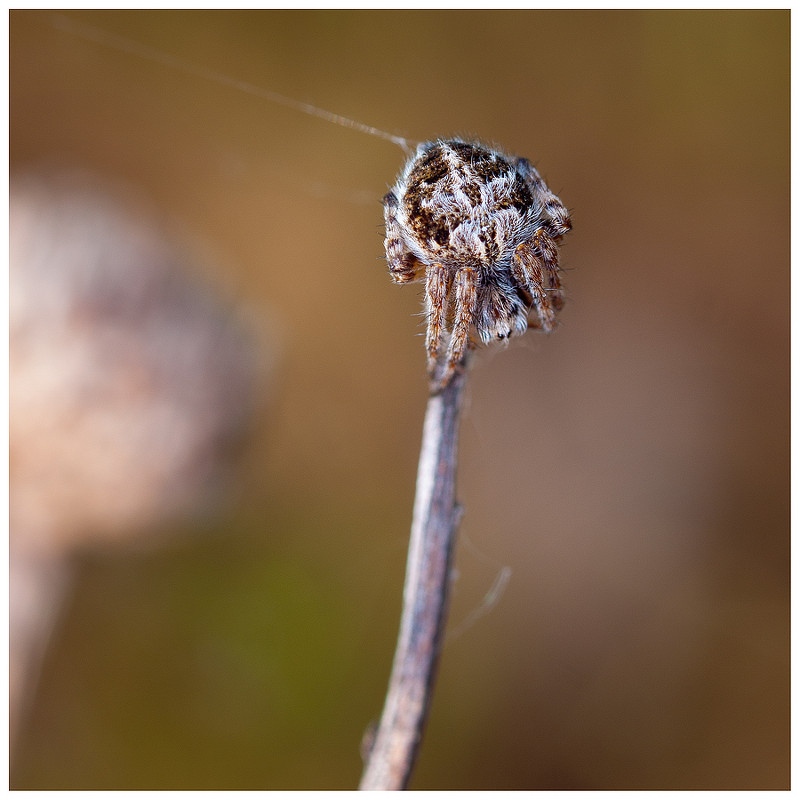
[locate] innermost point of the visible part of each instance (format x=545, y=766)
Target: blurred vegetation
x=632, y=470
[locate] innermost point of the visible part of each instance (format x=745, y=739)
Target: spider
x=481, y=229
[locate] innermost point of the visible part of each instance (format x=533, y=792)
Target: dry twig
x=433, y=531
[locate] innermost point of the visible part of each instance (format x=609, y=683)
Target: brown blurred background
x=631, y=470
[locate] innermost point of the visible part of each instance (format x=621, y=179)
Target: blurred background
x=631, y=470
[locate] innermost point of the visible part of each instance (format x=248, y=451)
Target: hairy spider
x=481, y=229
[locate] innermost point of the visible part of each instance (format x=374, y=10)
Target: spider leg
x=466, y=302
x=535, y=268
x=404, y=267
x=557, y=221
x=436, y=306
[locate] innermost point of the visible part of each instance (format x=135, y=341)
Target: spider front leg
x=535, y=268
x=465, y=285
x=436, y=291
x=404, y=267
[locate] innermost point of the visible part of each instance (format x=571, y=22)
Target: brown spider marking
x=481, y=229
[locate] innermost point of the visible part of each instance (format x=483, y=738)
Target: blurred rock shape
x=130, y=385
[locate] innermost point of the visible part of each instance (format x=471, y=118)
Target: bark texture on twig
x=436, y=515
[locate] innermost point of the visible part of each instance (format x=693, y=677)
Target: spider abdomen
x=454, y=192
